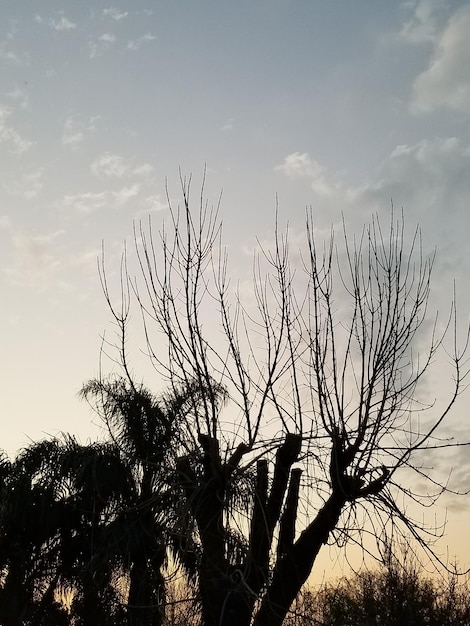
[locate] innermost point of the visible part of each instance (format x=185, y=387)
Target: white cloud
x=8, y=135
x=107, y=38
x=110, y=165
x=87, y=202
x=301, y=165
x=229, y=124
x=125, y=194
x=430, y=176
x=20, y=96
x=446, y=81
x=72, y=135
x=101, y=45
x=429, y=179
x=74, y=130
x=424, y=25
x=298, y=165
x=138, y=43
x=90, y=202
x=115, y=14
x=143, y=170
x=62, y=24
x=154, y=204
x=10, y=56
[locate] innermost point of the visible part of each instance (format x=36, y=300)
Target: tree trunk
x=295, y=566
x=144, y=603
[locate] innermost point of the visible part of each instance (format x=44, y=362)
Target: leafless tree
x=310, y=424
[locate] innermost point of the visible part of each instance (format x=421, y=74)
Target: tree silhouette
x=396, y=593
x=145, y=432
x=301, y=422
x=321, y=379
x=87, y=519
x=55, y=518
x=30, y=517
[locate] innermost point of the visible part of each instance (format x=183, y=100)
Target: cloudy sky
x=338, y=105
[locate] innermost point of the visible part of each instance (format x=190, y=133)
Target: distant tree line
x=398, y=593
x=395, y=593
x=295, y=421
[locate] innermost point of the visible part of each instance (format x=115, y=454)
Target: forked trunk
x=293, y=569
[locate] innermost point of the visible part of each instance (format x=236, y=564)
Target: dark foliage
x=397, y=594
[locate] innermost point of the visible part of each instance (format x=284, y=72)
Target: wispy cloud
x=125, y=194
x=20, y=96
x=101, y=45
x=298, y=165
x=135, y=44
x=427, y=178
x=72, y=134
x=62, y=24
x=115, y=14
x=18, y=145
x=87, y=202
x=153, y=204
x=74, y=130
x=107, y=38
x=301, y=165
x=229, y=124
x=26, y=186
x=142, y=170
x=90, y=202
x=446, y=81
x=110, y=165
x=425, y=23
x=14, y=57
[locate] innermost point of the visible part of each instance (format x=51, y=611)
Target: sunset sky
x=338, y=105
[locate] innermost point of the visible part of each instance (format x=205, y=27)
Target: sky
x=341, y=106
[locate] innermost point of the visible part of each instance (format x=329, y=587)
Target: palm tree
x=96, y=521
x=94, y=484
x=146, y=431
x=75, y=519
x=29, y=515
